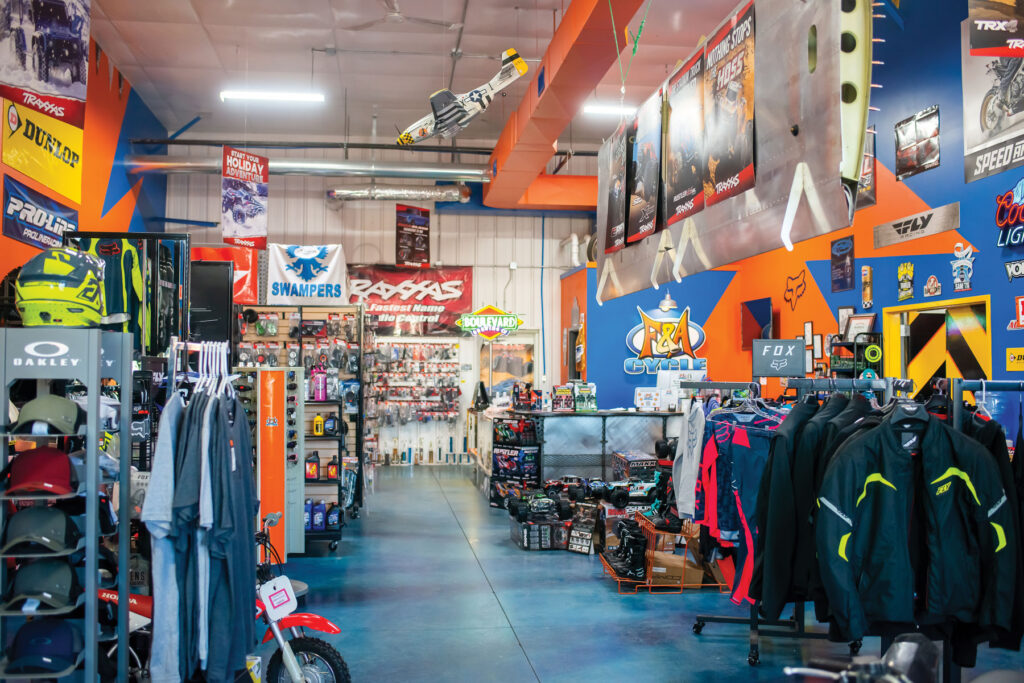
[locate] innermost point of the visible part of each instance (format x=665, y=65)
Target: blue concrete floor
x=427, y=586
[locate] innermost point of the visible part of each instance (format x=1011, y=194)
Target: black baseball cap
x=40, y=529
x=48, y=645
x=52, y=582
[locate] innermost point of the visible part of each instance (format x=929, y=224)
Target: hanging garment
x=857, y=408
x=686, y=466
x=122, y=281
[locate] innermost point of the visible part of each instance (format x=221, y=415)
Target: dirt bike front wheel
x=320, y=663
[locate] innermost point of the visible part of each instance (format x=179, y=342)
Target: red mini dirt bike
x=298, y=657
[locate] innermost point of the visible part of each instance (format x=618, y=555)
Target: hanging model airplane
x=452, y=113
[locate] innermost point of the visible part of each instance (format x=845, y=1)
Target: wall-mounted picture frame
x=818, y=346
x=821, y=369
x=844, y=315
x=810, y=360
x=808, y=333
x=859, y=324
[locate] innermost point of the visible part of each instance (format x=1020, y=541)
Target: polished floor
x=426, y=586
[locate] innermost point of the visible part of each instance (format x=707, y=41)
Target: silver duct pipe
x=466, y=173
x=421, y=193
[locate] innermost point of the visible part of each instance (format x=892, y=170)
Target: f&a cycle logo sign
x=665, y=339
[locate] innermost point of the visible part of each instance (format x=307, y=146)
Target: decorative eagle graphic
x=795, y=288
x=307, y=262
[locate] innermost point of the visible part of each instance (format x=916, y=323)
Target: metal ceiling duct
x=421, y=193
x=464, y=173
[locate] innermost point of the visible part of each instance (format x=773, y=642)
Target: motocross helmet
x=61, y=287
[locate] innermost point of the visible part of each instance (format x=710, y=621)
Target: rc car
x=538, y=506
x=577, y=488
x=633, y=491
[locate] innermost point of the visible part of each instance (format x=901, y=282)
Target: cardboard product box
x=543, y=535
x=583, y=536
x=665, y=544
x=561, y=532
x=626, y=464
x=669, y=569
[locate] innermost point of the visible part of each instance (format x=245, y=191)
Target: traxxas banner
x=306, y=275
x=398, y=301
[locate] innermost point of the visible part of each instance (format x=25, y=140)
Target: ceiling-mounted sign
x=400, y=301
x=645, y=171
x=412, y=236
x=34, y=218
x=306, y=275
x=45, y=149
x=683, y=157
x=779, y=358
x=245, y=180
x=611, y=184
x=930, y=222
x=489, y=322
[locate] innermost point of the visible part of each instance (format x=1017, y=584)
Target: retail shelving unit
x=44, y=354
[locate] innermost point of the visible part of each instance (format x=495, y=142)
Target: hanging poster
x=44, y=149
x=44, y=63
x=246, y=285
x=243, y=198
x=611, y=183
x=842, y=264
x=645, y=170
x=412, y=236
x=306, y=275
x=397, y=301
x=866, y=188
x=683, y=170
x=729, y=108
x=996, y=28
x=917, y=143
x=34, y=218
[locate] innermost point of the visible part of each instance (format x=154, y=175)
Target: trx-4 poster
x=34, y=218
x=44, y=149
x=44, y=62
x=412, y=236
x=645, y=171
x=683, y=169
x=611, y=183
x=399, y=301
x=306, y=275
x=996, y=28
x=729, y=108
x=243, y=198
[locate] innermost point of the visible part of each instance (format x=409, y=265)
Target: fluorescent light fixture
x=608, y=109
x=267, y=96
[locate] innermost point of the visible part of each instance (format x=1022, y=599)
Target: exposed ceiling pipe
x=241, y=144
x=421, y=193
x=573, y=240
x=467, y=173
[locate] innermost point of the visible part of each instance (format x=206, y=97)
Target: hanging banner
x=645, y=171
x=45, y=61
x=243, y=198
x=44, y=149
x=997, y=28
x=729, y=108
x=842, y=264
x=611, y=184
x=398, y=301
x=306, y=275
x=246, y=260
x=34, y=218
x=412, y=236
x=683, y=170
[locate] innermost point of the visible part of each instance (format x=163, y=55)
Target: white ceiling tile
x=111, y=42
x=169, y=45
x=305, y=13
x=176, y=11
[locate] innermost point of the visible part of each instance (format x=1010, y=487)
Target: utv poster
x=34, y=218
x=996, y=28
x=993, y=139
x=412, y=236
x=243, y=198
x=645, y=171
x=611, y=183
x=684, y=141
x=729, y=108
x=398, y=301
x=44, y=56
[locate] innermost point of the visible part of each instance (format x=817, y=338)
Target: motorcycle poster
x=917, y=143
x=44, y=56
x=412, y=236
x=996, y=28
x=645, y=171
x=243, y=198
x=993, y=89
x=611, y=184
x=683, y=171
x=729, y=108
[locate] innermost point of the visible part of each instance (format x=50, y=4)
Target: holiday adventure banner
x=611, y=184
x=34, y=218
x=246, y=285
x=46, y=150
x=243, y=198
x=45, y=61
x=412, y=236
x=645, y=171
x=683, y=155
x=399, y=301
x=729, y=108
x=306, y=275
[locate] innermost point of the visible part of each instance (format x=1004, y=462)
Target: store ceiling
x=179, y=54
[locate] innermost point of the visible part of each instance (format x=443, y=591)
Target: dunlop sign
x=489, y=322
x=45, y=149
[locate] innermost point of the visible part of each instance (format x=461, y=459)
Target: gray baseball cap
x=49, y=414
x=40, y=529
x=51, y=582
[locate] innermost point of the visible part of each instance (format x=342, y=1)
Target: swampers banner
x=44, y=64
x=611, y=187
x=399, y=301
x=729, y=108
x=645, y=171
x=997, y=28
x=246, y=285
x=34, y=218
x=683, y=155
x=412, y=236
x=243, y=198
x=306, y=275
x=44, y=149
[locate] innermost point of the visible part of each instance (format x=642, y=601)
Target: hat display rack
x=51, y=639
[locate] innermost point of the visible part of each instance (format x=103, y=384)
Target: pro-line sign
x=489, y=322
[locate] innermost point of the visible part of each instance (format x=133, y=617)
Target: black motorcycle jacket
x=913, y=527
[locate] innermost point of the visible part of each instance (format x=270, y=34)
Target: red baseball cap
x=40, y=470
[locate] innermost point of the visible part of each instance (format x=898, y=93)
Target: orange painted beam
x=580, y=53
x=560, y=193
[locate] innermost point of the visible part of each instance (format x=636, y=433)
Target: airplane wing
x=441, y=102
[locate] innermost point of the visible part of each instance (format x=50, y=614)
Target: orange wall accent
x=574, y=287
x=270, y=457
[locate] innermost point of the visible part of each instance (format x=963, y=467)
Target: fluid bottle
x=318, y=425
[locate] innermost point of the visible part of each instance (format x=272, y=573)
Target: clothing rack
x=177, y=346
x=957, y=387
x=888, y=385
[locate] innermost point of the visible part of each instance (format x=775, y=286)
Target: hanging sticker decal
x=905, y=277
x=795, y=288
x=1018, y=322
x=963, y=267
x=932, y=287
x=867, y=293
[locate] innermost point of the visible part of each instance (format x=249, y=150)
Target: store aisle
x=426, y=586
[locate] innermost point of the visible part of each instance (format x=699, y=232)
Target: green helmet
x=61, y=287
